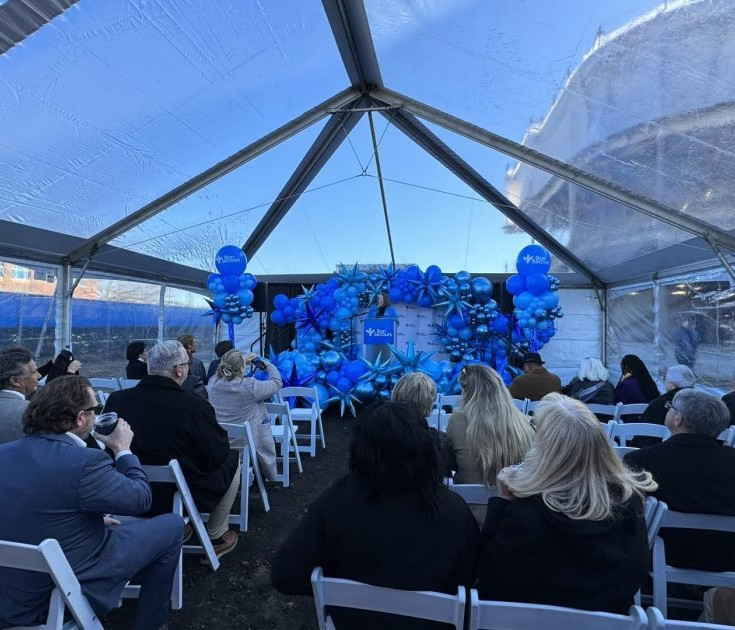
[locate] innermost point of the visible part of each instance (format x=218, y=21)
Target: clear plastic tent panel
x=636, y=92
x=28, y=308
x=108, y=314
x=113, y=104
x=225, y=212
x=184, y=315
x=630, y=329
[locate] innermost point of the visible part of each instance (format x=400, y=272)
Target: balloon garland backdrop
x=326, y=355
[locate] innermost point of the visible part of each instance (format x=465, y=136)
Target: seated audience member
x=536, y=381
x=694, y=471
x=238, y=399
x=135, y=354
x=591, y=385
x=220, y=349
x=719, y=606
x=53, y=487
x=18, y=380
x=567, y=528
x=63, y=364
x=389, y=522
x=677, y=377
x=194, y=385
x=729, y=400
x=636, y=385
x=170, y=423
x=196, y=365
x=419, y=390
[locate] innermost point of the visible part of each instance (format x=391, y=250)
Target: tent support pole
x=723, y=260
x=656, y=326
x=382, y=187
x=63, y=309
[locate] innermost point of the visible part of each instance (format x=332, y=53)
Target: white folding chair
x=531, y=406
x=285, y=435
x=472, y=493
x=624, y=432
x=246, y=478
x=127, y=383
x=101, y=397
x=488, y=615
x=631, y=410
x=656, y=621
x=311, y=414
x=433, y=419
x=173, y=474
x=48, y=557
x=521, y=404
x=728, y=436
x=610, y=428
x=663, y=573
x=654, y=511
x=446, y=401
x=622, y=451
x=241, y=438
x=605, y=410
x=109, y=384
x=418, y=604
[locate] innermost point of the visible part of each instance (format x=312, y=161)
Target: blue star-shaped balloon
x=351, y=277
x=429, y=285
x=308, y=294
x=378, y=367
x=374, y=289
x=440, y=330
x=387, y=275
x=337, y=344
x=344, y=398
x=454, y=302
x=410, y=361
x=307, y=318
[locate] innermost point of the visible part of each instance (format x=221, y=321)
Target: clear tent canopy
x=139, y=137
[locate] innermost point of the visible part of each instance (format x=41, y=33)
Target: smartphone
x=258, y=363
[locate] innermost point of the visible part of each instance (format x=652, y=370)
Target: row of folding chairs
x=482, y=615
x=620, y=433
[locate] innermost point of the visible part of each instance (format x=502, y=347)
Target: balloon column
x=232, y=289
x=472, y=329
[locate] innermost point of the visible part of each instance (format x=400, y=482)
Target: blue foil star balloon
x=410, y=361
x=308, y=294
x=344, y=398
x=377, y=368
x=454, y=302
x=351, y=277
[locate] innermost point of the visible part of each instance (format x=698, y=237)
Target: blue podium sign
x=377, y=331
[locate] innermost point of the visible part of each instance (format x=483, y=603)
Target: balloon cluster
x=472, y=327
x=232, y=289
x=535, y=298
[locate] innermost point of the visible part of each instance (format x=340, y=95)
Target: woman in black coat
x=567, y=528
x=591, y=385
x=135, y=353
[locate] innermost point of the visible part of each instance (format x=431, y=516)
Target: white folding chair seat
x=127, y=383
x=489, y=615
x=631, y=410
x=446, y=401
x=418, y=604
x=472, y=493
x=241, y=437
x=48, y=557
x=521, y=404
x=285, y=435
x=656, y=621
x=607, y=410
x=624, y=432
x=663, y=573
x=311, y=414
x=728, y=436
x=108, y=384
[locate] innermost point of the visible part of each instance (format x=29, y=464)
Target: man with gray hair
x=170, y=423
x=677, y=377
x=18, y=380
x=694, y=473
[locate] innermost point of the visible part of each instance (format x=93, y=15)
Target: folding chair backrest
x=307, y=393
x=521, y=404
x=127, y=383
x=610, y=428
x=418, y=604
x=656, y=621
x=622, y=451
x=101, y=397
x=49, y=558
x=450, y=401
x=111, y=384
x=631, y=410
x=473, y=493
x=654, y=511
x=531, y=405
x=487, y=615
x=605, y=410
x=276, y=408
x=634, y=429
x=728, y=436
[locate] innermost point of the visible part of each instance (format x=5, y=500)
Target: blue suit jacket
x=53, y=488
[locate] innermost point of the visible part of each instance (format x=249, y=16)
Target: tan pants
x=265, y=448
x=218, y=522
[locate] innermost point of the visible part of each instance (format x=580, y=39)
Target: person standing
x=686, y=341
x=135, y=353
x=196, y=366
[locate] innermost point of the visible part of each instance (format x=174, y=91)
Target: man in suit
x=53, y=487
x=18, y=380
x=536, y=381
x=171, y=423
x=694, y=473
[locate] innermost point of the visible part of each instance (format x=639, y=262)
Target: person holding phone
x=237, y=398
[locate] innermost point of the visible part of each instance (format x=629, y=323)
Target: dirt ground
x=239, y=595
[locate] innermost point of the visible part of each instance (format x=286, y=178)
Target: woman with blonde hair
x=238, y=399
x=567, y=528
x=489, y=432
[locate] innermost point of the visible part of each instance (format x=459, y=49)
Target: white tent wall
x=578, y=333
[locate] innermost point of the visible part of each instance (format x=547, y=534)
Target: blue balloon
x=433, y=273
x=501, y=324
x=482, y=289
x=515, y=284
x=551, y=299
x=433, y=368
x=250, y=281
x=332, y=377
x=343, y=313
x=344, y=384
x=537, y=283
x=455, y=321
x=212, y=279
x=523, y=301
x=331, y=360
x=277, y=317
x=231, y=284
x=365, y=391
x=425, y=300
x=355, y=369
x=280, y=301
x=462, y=276
x=219, y=300
x=245, y=296
x=533, y=259
x=465, y=333
x=395, y=294
x=230, y=260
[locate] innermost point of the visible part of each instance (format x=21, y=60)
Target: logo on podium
x=378, y=331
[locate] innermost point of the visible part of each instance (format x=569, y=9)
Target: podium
x=377, y=333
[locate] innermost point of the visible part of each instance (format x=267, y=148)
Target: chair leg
x=659, y=577
x=312, y=436
x=295, y=444
x=321, y=428
x=259, y=477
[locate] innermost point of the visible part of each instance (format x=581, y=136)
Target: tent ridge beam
x=323, y=148
x=212, y=174
x=19, y=19
x=433, y=145
x=558, y=168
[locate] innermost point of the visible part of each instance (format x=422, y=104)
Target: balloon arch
x=472, y=329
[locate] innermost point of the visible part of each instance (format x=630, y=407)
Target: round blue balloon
x=278, y=318
x=365, y=391
x=331, y=360
x=344, y=384
x=355, y=369
x=280, y=301
x=465, y=333
x=231, y=284
x=433, y=368
x=230, y=260
x=537, y=283
x=533, y=259
x=515, y=284
x=550, y=299
x=219, y=300
x=245, y=296
x=482, y=289
x=462, y=276
x=523, y=301
x=395, y=294
x=332, y=377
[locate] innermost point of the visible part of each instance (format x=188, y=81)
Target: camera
x=258, y=363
